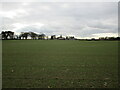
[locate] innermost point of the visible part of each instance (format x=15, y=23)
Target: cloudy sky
x=81, y=19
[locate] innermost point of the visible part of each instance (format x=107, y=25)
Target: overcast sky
x=81, y=19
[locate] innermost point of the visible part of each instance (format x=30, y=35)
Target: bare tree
x=41, y=36
x=24, y=35
x=33, y=35
x=7, y=34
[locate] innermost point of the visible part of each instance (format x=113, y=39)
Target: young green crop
x=59, y=64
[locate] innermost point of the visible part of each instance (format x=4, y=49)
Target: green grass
x=60, y=64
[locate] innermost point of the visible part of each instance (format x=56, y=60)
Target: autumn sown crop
x=59, y=64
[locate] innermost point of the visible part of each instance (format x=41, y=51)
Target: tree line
x=9, y=35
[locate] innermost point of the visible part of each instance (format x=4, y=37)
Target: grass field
x=59, y=64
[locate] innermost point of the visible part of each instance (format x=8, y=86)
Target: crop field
x=59, y=64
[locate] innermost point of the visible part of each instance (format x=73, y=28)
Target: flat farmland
x=59, y=64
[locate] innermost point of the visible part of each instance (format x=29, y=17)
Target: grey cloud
x=67, y=18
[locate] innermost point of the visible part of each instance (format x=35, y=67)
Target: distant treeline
x=103, y=38
x=9, y=35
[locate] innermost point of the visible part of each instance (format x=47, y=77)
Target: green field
x=59, y=64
